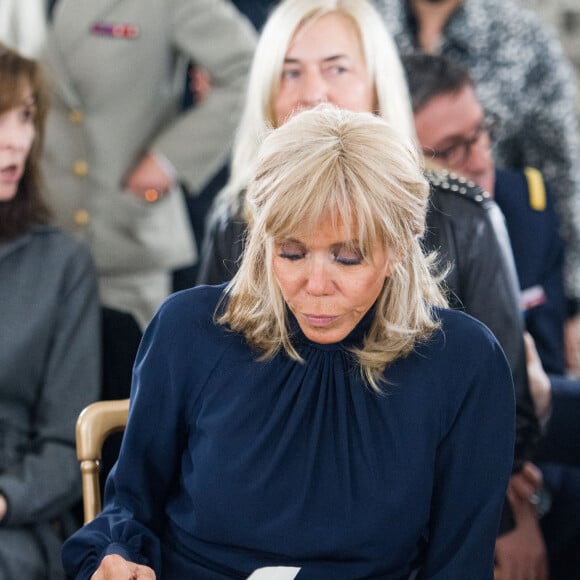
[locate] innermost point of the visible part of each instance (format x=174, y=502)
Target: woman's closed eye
x=291, y=251
x=341, y=254
x=348, y=256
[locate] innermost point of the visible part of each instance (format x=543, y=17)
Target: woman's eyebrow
x=327, y=59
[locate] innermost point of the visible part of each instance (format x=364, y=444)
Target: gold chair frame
x=95, y=423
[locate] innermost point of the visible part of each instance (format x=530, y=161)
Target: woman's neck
x=431, y=19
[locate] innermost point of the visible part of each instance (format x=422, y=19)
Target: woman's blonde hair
x=382, y=61
x=356, y=168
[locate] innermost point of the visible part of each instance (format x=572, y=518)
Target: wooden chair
x=95, y=423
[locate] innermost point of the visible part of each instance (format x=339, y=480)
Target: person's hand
x=114, y=567
x=148, y=180
x=572, y=346
x=199, y=83
x=521, y=553
x=540, y=386
x=526, y=482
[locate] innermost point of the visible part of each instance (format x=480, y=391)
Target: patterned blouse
x=523, y=76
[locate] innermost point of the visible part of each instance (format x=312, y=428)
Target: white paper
x=274, y=573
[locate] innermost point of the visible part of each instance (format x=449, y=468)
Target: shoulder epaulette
x=536, y=189
x=457, y=184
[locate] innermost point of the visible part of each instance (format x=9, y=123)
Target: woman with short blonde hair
x=275, y=450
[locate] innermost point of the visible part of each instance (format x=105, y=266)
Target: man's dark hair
x=430, y=76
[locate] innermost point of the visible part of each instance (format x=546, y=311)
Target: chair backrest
x=95, y=423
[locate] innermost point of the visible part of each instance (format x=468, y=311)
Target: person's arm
x=213, y=34
x=137, y=487
x=47, y=480
x=471, y=471
x=481, y=282
x=557, y=403
x=177, y=356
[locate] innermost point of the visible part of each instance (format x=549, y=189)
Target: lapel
x=71, y=24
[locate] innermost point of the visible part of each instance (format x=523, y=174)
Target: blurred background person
x=198, y=85
x=49, y=341
x=119, y=145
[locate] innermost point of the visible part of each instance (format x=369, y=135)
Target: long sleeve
x=137, y=489
x=479, y=284
x=46, y=480
x=464, y=518
x=217, y=37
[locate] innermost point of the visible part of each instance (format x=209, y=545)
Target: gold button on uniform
x=80, y=168
x=81, y=217
x=76, y=117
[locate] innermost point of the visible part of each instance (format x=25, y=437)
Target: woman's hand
x=113, y=567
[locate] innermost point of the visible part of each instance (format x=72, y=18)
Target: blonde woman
x=323, y=413
x=338, y=51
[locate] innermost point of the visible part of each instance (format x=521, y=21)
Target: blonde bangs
x=362, y=173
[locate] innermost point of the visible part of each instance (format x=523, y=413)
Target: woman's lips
x=11, y=173
x=319, y=320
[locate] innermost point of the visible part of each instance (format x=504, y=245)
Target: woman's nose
x=319, y=282
x=314, y=89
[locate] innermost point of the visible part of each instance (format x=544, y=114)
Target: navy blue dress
x=229, y=464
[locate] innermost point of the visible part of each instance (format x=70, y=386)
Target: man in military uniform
x=119, y=147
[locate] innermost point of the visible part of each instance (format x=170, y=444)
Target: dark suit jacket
x=539, y=256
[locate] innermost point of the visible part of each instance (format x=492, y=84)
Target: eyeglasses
x=456, y=155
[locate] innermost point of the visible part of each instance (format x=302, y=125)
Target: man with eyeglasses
x=455, y=133
x=522, y=74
